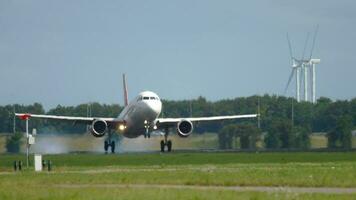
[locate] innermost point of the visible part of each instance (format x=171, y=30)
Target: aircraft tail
x=126, y=100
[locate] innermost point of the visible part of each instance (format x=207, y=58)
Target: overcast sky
x=71, y=52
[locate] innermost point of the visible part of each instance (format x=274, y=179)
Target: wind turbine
x=312, y=62
x=296, y=68
x=303, y=66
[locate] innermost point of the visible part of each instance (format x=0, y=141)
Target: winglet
x=126, y=100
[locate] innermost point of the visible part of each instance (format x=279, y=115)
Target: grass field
x=180, y=176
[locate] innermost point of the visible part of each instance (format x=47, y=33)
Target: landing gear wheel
x=147, y=135
x=169, y=145
x=106, y=146
x=112, y=146
x=162, y=146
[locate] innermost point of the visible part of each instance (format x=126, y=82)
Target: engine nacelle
x=184, y=128
x=98, y=128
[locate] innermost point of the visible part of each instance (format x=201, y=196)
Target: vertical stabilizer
x=126, y=100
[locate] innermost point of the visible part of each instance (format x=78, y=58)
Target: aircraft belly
x=135, y=121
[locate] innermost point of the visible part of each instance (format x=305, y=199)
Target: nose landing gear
x=166, y=142
x=147, y=127
x=147, y=134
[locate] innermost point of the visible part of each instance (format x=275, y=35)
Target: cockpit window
x=147, y=98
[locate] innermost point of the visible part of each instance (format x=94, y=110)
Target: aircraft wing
x=169, y=121
x=86, y=120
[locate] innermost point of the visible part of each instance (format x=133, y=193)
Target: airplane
x=139, y=117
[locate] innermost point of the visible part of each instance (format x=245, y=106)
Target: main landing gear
x=166, y=142
x=109, y=142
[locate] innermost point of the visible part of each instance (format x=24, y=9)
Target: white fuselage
x=139, y=115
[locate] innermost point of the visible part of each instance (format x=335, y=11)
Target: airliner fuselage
x=139, y=115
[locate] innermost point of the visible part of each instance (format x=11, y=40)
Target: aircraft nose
x=155, y=106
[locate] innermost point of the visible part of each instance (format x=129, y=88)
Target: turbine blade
x=289, y=80
x=305, y=45
x=290, y=47
x=314, y=38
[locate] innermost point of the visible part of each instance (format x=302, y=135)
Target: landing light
x=122, y=127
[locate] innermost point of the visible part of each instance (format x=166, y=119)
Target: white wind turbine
x=301, y=67
x=297, y=67
x=311, y=63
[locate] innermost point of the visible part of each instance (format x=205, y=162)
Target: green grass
x=299, y=175
x=149, y=159
x=197, y=169
x=157, y=194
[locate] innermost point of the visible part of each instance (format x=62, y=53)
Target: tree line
x=284, y=123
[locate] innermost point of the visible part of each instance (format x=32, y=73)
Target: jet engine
x=184, y=128
x=98, y=128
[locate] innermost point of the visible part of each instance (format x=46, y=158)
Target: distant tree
x=333, y=139
x=302, y=137
x=13, y=143
x=303, y=114
x=248, y=134
x=286, y=135
x=272, y=140
x=340, y=136
x=222, y=140
x=321, y=119
x=226, y=136
x=280, y=135
x=353, y=111
x=344, y=126
x=243, y=133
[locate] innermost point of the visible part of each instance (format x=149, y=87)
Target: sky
x=71, y=52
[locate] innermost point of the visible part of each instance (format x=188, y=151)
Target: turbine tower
x=305, y=81
x=301, y=67
x=297, y=79
x=312, y=63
